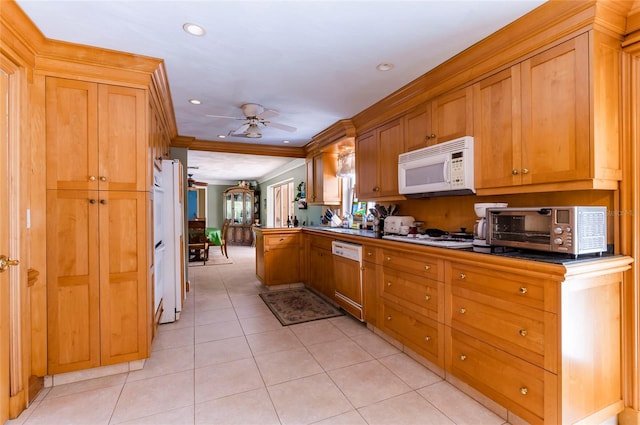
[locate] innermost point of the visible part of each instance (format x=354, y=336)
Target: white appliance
x=347, y=275
x=158, y=241
x=439, y=170
x=174, y=276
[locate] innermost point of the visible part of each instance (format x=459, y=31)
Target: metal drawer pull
x=462, y=310
x=427, y=338
x=92, y=178
x=103, y=201
x=388, y=258
x=523, y=290
x=524, y=390
x=369, y=254
x=427, y=297
x=388, y=318
x=103, y=179
x=463, y=276
x=388, y=283
x=92, y=201
x=463, y=357
x=427, y=267
x=522, y=332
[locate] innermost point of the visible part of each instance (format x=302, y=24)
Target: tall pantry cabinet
x=97, y=224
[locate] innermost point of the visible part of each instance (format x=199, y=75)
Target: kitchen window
x=280, y=197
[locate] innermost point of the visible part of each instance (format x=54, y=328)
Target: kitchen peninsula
x=540, y=338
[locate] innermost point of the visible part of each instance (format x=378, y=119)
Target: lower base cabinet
x=278, y=256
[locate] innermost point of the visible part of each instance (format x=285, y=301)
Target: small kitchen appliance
x=572, y=230
x=480, y=227
x=438, y=170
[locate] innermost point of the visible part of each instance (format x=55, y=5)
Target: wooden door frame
x=630, y=228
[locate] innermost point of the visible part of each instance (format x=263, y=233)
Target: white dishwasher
x=347, y=276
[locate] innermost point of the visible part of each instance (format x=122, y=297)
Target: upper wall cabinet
x=551, y=121
x=446, y=117
x=96, y=136
x=323, y=184
x=377, y=161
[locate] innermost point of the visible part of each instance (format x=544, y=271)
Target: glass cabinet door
x=237, y=208
x=228, y=207
x=248, y=206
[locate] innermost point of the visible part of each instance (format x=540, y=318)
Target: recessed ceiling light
x=221, y=136
x=285, y=141
x=385, y=66
x=195, y=102
x=193, y=29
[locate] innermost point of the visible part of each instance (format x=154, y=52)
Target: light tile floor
x=229, y=361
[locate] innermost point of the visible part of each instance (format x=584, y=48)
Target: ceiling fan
x=255, y=116
x=191, y=182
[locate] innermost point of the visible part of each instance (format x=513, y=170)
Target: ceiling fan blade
x=279, y=126
x=223, y=116
x=266, y=114
x=241, y=129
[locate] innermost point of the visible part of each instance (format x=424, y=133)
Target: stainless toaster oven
x=572, y=230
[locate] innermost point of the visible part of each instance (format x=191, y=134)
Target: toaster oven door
x=521, y=229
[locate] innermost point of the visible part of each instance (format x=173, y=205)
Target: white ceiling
x=312, y=61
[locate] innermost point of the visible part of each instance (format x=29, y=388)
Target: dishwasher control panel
x=347, y=250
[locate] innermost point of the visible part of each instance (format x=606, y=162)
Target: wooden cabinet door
x=122, y=138
x=72, y=134
x=452, y=116
x=555, y=114
x=497, y=143
x=311, y=180
x=124, y=296
x=367, y=166
x=418, y=128
x=73, y=292
x=370, y=292
x=96, y=136
x=390, y=145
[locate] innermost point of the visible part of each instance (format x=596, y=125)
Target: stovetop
x=441, y=242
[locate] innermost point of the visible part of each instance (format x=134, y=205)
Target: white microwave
x=439, y=170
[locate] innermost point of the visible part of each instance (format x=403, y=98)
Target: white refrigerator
x=174, y=276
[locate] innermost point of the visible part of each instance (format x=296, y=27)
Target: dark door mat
x=298, y=305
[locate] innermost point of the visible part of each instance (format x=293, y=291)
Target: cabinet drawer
x=370, y=254
x=512, y=382
x=506, y=286
x=320, y=242
x=278, y=241
x=423, y=335
x=517, y=329
x=413, y=291
x=420, y=265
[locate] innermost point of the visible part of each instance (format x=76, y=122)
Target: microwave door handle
x=446, y=171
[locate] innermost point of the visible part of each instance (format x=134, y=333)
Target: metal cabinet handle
x=388, y=283
x=463, y=357
x=523, y=332
x=369, y=254
x=462, y=276
x=462, y=310
x=92, y=201
x=515, y=172
x=6, y=262
x=92, y=178
x=427, y=297
x=103, y=201
x=427, y=267
x=523, y=290
x=524, y=390
x=388, y=318
x=525, y=171
x=388, y=258
x=103, y=179
x=427, y=338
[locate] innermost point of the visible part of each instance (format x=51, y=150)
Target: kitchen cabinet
x=96, y=136
x=544, y=124
x=278, y=256
x=412, y=304
x=239, y=207
x=377, y=161
x=447, y=117
x=371, y=269
x=97, y=273
x=545, y=346
x=320, y=272
x=323, y=185
x=97, y=231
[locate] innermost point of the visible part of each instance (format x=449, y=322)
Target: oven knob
x=557, y=241
x=558, y=230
